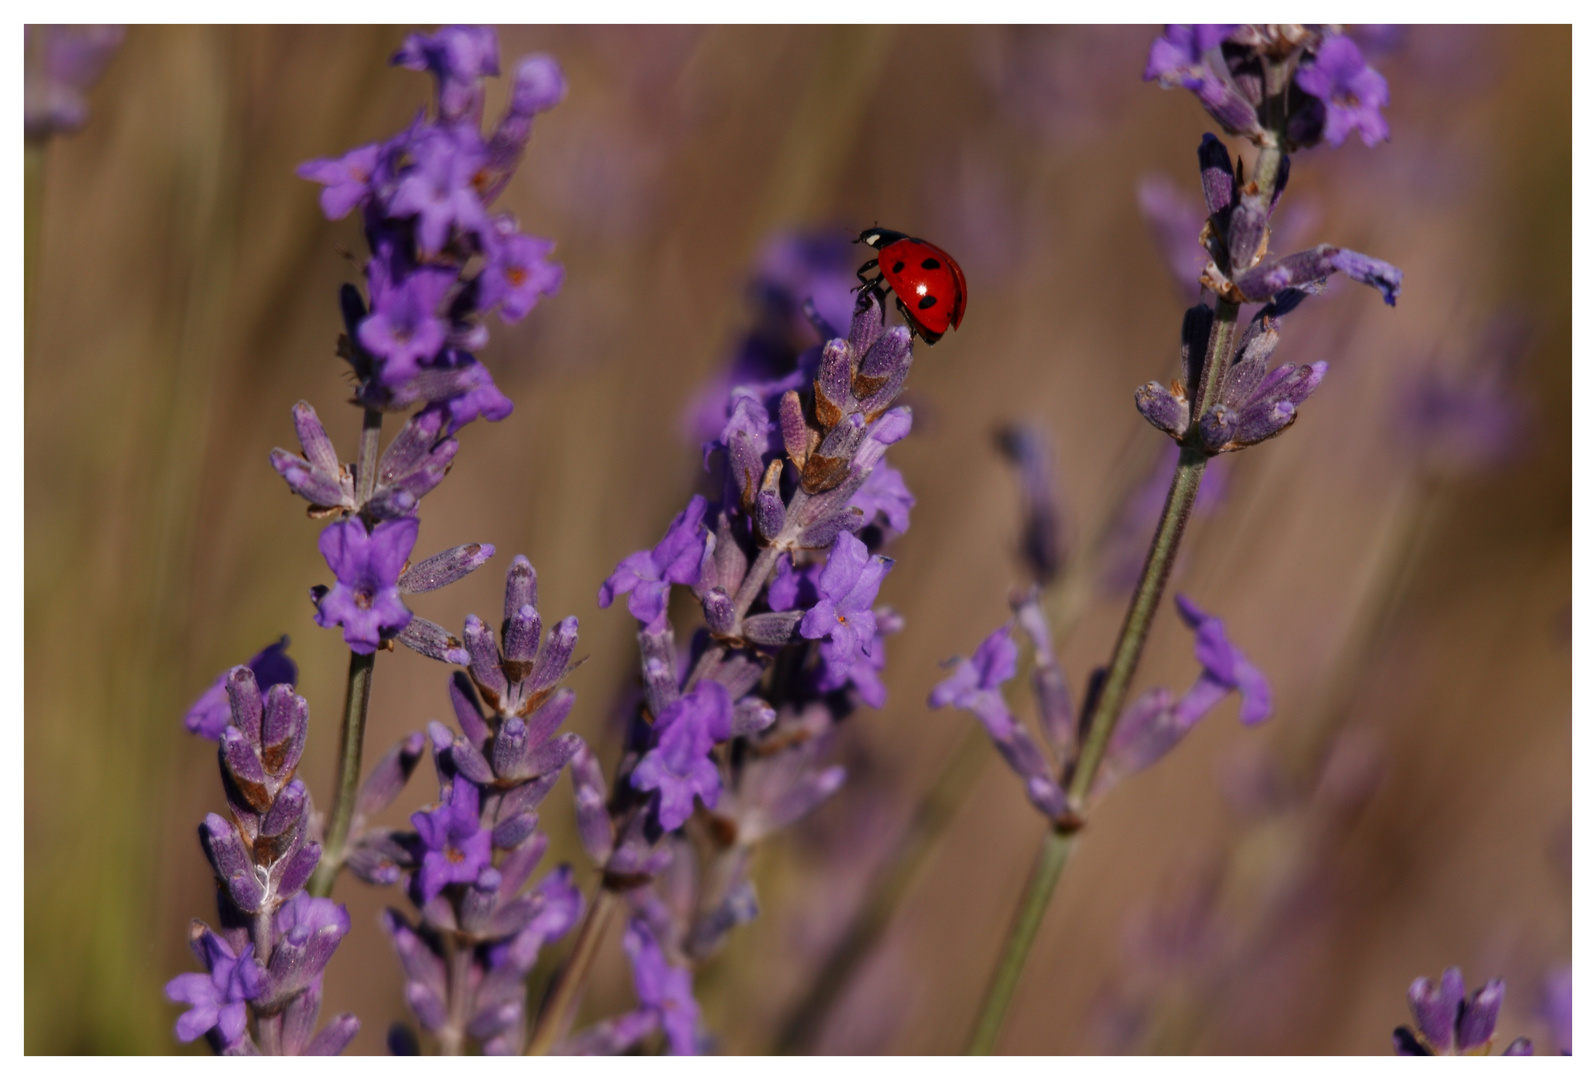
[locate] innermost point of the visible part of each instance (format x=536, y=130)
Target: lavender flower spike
x=365, y=601
x=649, y=575
x=662, y=988
x=679, y=766
x=1225, y=668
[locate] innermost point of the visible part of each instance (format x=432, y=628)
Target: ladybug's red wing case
x=927, y=281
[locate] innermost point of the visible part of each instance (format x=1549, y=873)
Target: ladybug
x=928, y=284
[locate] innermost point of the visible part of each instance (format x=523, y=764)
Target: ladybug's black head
x=879, y=238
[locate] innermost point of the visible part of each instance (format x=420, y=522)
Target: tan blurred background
x=187, y=297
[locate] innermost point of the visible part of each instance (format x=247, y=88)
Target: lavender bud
x=313, y=439
x=245, y=771
x=884, y=372
x=556, y=655
x=312, y=485
x=431, y=640
x=520, y=589
x=522, y=631
x=552, y=755
x=485, y=669
x=730, y=561
x=592, y=818
x=751, y=715
x=831, y=385
x=869, y=320
x=510, y=748
x=822, y=533
x=286, y=811
x=795, y=432
x=470, y=763
x=444, y=568
x=1217, y=427
x=1163, y=409
x=409, y=448
x=509, y=834
x=243, y=698
x=773, y=628
x=389, y=503
x=285, y=719
x=1219, y=182
x=377, y=858
x=389, y=776
x=224, y=848
x=550, y=715
x=719, y=612
x=299, y=867
x=466, y=709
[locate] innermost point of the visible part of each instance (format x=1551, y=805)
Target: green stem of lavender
x=1100, y=722
x=560, y=1009
x=357, y=697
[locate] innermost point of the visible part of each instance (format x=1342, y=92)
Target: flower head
x=848, y=585
x=649, y=575
x=365, y=601
x=60, y=64
x=216, y=999
x=454, y=845
x=662, y=988
x=679, y=766
x=1351, y=92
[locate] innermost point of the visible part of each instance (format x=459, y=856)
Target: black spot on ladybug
x=897, y=267
x=930, y=264
x=927, y=302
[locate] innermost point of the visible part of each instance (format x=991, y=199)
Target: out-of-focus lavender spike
x=1042, y=534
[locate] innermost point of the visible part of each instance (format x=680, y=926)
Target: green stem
x=1050, y=862
x=357, y=697
x=560, y=1009
x=1099, y=723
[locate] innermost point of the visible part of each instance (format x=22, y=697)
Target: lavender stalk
x=1281, y=87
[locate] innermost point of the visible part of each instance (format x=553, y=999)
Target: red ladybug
x=928, y=284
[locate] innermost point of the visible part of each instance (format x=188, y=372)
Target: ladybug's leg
x=866, y=268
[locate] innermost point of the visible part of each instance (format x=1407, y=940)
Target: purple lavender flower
x=679, y=766
x=649, y=575
x=210, y=714
x=365, y=601
x=976, y=686
x=517, y=275
x=843, y=615
x=664, y=990
x=60, y=64
x=1451, y=1021
x=454, y=846
x=347, y=180
x=1030, y=449
x=1177, y=55
x=426, y=195
x=404, y=327
x=1351, y=91
x=1151, y=725
x=217, y=999
x=458, y=57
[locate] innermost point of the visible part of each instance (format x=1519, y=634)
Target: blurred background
x=1398, y=564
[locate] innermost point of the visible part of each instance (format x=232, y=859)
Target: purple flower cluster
x=441, y=258
x=731, y=731
x=1149, y=728
x=267, y=960
x=1300, y=84
x=467, y=860
x=1450, y=1021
